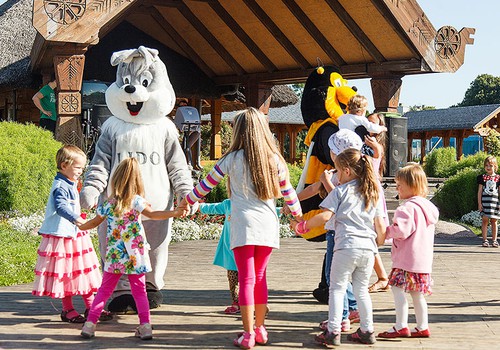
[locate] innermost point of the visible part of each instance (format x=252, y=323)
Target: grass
x=17, y=256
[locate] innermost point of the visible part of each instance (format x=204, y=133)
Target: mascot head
x=142, y=92
x=325, y=95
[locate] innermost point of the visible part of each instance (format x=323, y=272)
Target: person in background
x=487, y=199
x=412, y=232
x=45, y=101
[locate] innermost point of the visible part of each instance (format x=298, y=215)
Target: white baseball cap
x=344, y=139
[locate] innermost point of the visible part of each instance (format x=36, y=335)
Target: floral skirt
x=411, y=281
x=66, y=267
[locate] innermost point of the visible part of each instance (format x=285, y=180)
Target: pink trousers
x=137, y=287
x=252, y=261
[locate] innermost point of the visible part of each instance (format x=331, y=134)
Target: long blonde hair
x=361, y=166
x=252, y=135
x=414, y=176
x=125, y=184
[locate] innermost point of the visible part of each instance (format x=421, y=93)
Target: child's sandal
x=486, y=244
x=494, y=244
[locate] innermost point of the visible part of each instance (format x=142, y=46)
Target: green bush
x=219, y=193
x=439, y=161
x=492, y=142
x=474, y=161
x=27, y=167
x=458, y=195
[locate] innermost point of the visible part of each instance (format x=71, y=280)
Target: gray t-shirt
x=353, y=224
x=253, y=221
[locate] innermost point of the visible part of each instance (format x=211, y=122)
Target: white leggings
x=419, y=304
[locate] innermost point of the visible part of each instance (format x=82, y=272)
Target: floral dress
x=126, y=244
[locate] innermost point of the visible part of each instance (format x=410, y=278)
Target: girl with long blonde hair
x=353, y=210
x=258, y=176
x=127, y=246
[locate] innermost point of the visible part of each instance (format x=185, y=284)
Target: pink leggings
x=252, y=263
x=137, y=287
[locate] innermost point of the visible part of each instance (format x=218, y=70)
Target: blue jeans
x=349, y=300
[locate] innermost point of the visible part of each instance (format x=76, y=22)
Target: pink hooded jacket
x=412, y=232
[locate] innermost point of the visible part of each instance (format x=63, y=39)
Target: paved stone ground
x=464, y=311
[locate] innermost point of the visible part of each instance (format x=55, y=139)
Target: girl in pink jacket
x=412, y=232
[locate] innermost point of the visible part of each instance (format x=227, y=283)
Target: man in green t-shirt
x=45, y=101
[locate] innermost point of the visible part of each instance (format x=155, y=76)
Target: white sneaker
x=88, y=330
x=144, y=331
x=346, y=325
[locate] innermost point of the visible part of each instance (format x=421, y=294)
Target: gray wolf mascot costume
x=139, y=100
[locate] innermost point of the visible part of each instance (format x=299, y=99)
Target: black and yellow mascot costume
x=325, y=95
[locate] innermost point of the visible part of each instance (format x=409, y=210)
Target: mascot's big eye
x=337, y=83
x=146, y=78
x=126, y=79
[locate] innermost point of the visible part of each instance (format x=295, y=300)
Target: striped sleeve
x=289, y=194
x=206, y=185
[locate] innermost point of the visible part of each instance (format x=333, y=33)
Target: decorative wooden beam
x=258, y=95
x=316, y=34
x=277, y=33
x=358, y=33
x=386, y=92
x=357, y=71
x=212, y=40
x=188, y=50
x=240, y=33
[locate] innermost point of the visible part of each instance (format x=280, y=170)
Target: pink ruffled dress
x=66, y=266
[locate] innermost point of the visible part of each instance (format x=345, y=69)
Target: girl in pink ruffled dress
x=67, y=264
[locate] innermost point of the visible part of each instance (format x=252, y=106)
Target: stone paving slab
x=464, y=311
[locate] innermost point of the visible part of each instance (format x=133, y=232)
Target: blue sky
x=442, y=90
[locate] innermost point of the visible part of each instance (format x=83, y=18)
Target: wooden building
x=215, y=47
x=455, y=122
x=285, y=122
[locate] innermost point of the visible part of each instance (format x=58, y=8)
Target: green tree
x=484, y=90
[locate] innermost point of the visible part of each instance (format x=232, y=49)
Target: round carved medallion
x=447, y=42
x=64, y=11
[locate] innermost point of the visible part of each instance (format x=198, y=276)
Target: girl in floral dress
x=127, y=247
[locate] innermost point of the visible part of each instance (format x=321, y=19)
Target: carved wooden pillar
x=385, y=91
x=460, y=144
x=69, y=74
x=258, y=95
x=215, y=137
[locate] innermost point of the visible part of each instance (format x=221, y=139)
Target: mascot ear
x=121, y=56
x=150, y=55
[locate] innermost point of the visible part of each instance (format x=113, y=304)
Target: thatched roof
x=17, y=36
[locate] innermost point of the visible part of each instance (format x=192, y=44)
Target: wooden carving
x=64, y=11
x=69, y=103
x=69, y=72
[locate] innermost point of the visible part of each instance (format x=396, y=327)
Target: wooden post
x=460, y=144
x=410, y=149
x=215, y=137
x=385, y=91
x=422, y=147
x=69, y=74
x=258, y=95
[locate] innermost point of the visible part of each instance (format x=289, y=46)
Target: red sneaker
x=401, y=333
x=426, y=333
